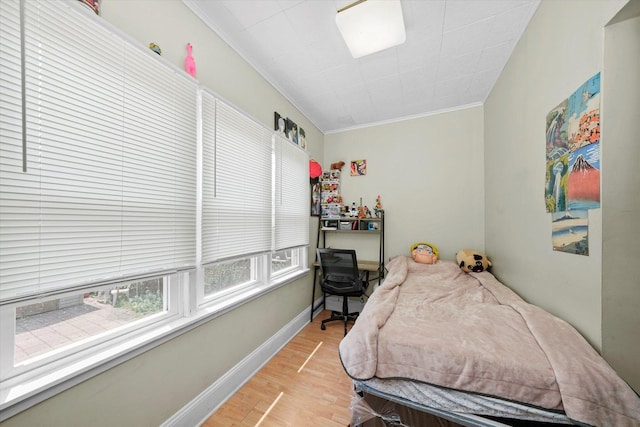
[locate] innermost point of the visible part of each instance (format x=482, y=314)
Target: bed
x=463, y=349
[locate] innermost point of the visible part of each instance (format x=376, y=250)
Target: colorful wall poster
x=556, y=187
x=570, y=232
x=572, y=182
x=573, y=151
x=583, y=185
x=557, y=151
x=557, y=134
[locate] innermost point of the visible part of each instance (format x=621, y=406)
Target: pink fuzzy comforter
x=436, y=324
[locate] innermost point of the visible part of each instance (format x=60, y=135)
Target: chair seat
x=342, y=288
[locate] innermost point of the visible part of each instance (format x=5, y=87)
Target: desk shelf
x=348, y=224
x=355, y=226
x=362, y=226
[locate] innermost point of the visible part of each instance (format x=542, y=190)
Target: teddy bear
x=337, y=165
x=472, y=261
x=424, y=253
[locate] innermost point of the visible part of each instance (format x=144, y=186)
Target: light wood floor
x=303, y=385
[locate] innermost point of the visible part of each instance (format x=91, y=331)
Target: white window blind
x=159, y=168
x=237, y=190
x=110, y=187
x=292, y=204
x=19, y=224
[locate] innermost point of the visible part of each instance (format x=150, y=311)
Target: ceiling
x=454, y=52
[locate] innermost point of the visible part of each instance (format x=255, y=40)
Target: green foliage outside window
x=222, y=276
x=143, y=297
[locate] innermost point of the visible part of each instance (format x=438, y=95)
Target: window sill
x=23, y=392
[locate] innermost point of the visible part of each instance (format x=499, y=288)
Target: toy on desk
x=378, y=209
x=353, y=212
x=189, y=62
x=424, y=253
x=337, y=166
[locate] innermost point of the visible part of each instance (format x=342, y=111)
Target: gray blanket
x=439, y=325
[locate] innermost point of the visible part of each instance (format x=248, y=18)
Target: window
x=129, y=221
x=227, y=276
x=284, y=261
x=55, y=324
x=42, y=336
x=109, y=189
x=281, y=260
x=243, y=276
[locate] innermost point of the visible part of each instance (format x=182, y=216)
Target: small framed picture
x=279, y=123
x=292, y=131
x=315, y=199
x=302, y=138
x=358, y=167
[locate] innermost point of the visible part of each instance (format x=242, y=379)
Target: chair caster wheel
x=323, y=327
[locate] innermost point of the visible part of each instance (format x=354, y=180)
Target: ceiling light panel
x=370, y=26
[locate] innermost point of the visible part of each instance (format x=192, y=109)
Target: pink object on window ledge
x=189, y=62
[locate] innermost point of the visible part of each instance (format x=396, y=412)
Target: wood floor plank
x=318, y=395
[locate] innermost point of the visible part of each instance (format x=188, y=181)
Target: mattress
x=456, y=406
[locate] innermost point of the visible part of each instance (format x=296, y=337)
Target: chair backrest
x=339, y=271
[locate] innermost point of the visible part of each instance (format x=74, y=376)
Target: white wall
x=560, y=50
x=621, y=197
x=429, y=172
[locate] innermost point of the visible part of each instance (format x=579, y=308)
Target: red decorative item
x=315, y=170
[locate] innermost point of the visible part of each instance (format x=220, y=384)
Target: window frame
x=172, y=309
x=296, y=263
x=263, y=280
x=233, y=290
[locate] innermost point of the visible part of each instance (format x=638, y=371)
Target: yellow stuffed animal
x=424, y=253
x=472, y=261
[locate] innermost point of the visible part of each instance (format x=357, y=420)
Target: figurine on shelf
x=378, y=209
x=353, y=212
x=367, y=212
x=154, y=47
x=361, y=212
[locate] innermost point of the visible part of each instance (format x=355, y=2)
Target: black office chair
x=340, y=276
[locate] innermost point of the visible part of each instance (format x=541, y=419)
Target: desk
x=362, y=266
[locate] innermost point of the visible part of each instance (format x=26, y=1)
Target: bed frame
x=373, y=408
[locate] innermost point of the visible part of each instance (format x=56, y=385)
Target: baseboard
x=206, y=403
